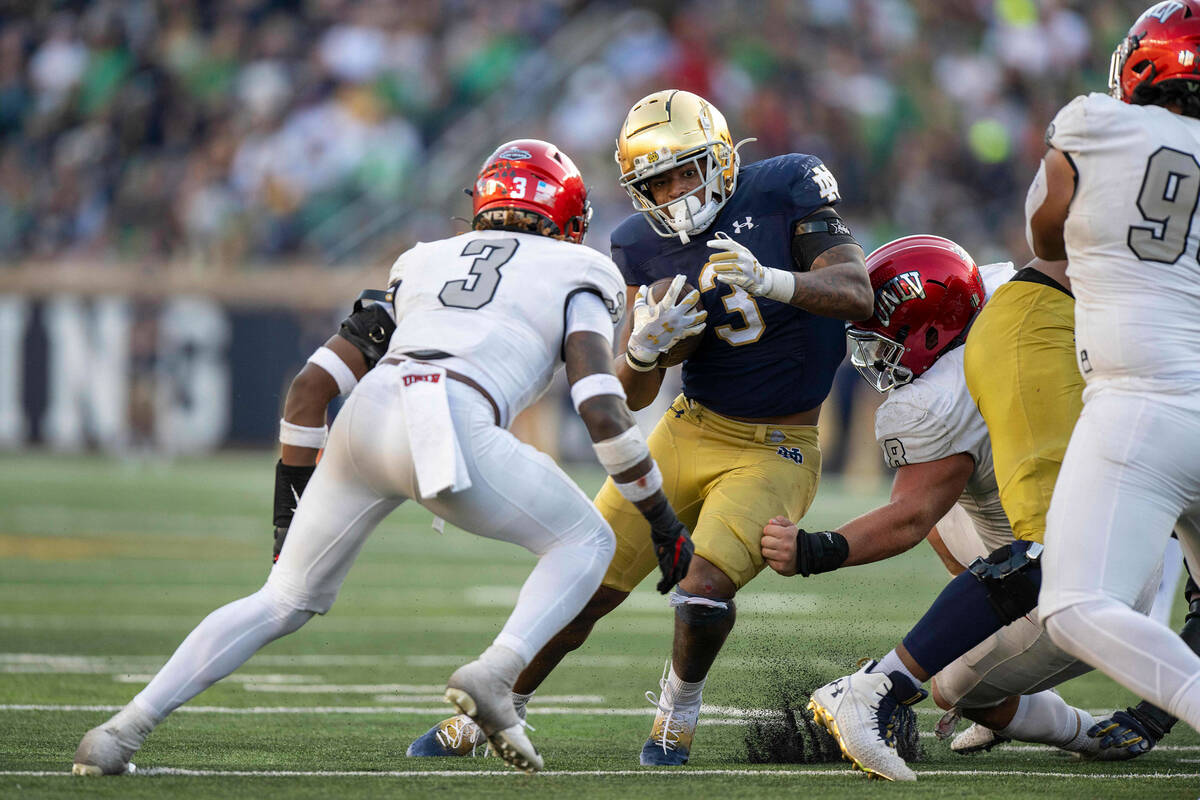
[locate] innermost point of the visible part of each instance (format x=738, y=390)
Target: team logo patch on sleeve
x=791, y=454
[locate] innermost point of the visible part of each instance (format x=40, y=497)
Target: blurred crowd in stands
x=225, y=133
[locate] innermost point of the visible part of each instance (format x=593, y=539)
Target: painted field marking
x=237, y=677
x=581, y=773
x=56, y=662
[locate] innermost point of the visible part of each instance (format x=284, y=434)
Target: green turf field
x=106, y=565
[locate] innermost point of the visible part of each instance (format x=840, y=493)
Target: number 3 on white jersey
x=738, y=301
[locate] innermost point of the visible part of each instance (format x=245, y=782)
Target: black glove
x=672, y=545
x=289, y=485
x=1126, y=730
x=819, y=552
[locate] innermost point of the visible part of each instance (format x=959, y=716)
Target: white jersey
x=1132, y=239
x=934, y=417
x=496, y=301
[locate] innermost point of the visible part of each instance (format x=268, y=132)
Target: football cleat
x=106, y=750
x=478, y=693
x=454, y=736
x=859, y=711
x=670, y=742
x=977, y=739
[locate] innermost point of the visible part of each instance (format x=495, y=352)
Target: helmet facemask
x=695, y=211
x=1117, y=64
x=877, y=359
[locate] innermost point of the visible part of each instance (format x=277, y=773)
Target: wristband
x=644, y=487
x=637, y=365
x=301, y=436
x=820, y=552
x=593, y=385
x=622, y=451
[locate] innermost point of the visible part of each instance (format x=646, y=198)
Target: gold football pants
x=725, y=479
x=1021, y=373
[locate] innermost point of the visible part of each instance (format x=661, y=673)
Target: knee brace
x=1012, y=575
x=697, y=610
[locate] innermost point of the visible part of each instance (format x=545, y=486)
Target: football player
x=486, y=319
x=1117, y=195
x=928, y=294
x=777, y=270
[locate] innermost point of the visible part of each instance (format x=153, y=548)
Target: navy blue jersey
x=758, y=357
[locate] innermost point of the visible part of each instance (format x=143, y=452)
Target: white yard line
x=581, y=773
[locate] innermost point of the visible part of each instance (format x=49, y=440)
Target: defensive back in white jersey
x=1132, y=241
x=496, y=301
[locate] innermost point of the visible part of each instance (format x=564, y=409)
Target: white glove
x=657, y=327
x=735, y=265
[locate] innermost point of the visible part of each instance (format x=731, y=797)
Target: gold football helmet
x=668, y=129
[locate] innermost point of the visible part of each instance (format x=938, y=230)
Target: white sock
x=222, y=642
x=1047, y=719
x=679, y=693
x=892, y=663
x=519, y=703
x=1145, y=657
x=505, y=663
x=133, y=724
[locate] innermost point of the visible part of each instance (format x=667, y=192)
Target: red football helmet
x=531, y=185
x=927, y=291
x=1163, y=45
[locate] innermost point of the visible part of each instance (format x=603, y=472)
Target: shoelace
x=671, y=729
x=451, y=734
x=885, y=716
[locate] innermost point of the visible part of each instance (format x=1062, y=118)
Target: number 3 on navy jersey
x=740, y=302
x=485, y=270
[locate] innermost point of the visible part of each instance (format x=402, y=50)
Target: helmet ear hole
x=931, y=338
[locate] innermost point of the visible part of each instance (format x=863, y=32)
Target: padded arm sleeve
x=370, y=326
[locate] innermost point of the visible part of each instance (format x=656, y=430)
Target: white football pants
x=1131, y=470
x=517, y=494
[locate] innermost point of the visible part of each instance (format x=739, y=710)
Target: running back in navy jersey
x=758, y=357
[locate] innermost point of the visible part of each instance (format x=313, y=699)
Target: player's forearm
x=840, y=290
x=885, y=532
x=640, y=387
x=306, y=405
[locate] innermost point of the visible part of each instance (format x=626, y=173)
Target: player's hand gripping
x=734, y=264
x=657, y=327
x=672, y=544
x=792, y=551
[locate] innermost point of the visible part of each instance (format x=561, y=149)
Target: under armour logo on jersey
x=791, y=454
x=837, y=687
x=748, y=225
x=827, y=185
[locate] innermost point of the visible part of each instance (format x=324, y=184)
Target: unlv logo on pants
x=409, y=380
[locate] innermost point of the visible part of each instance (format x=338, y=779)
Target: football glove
x=657, y=327
x=672, y=545
x=1124, y=731
x=735, y=265
x=289, y=485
